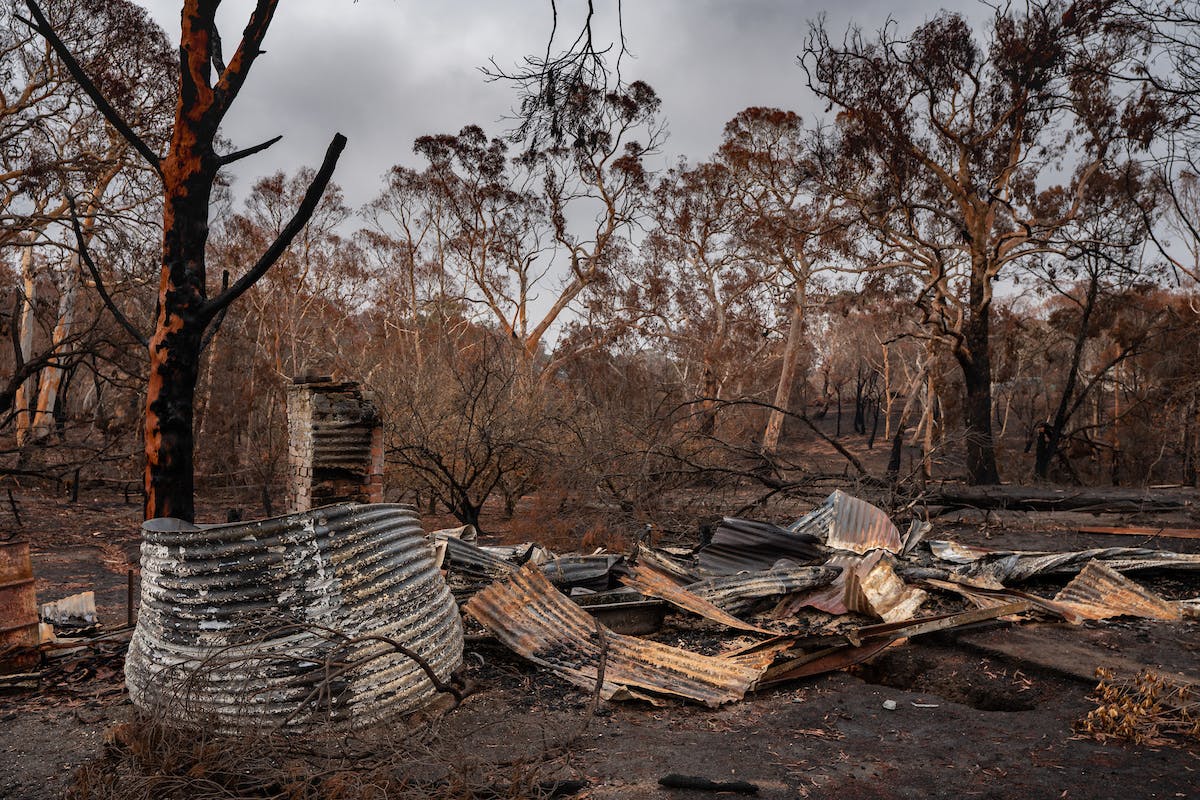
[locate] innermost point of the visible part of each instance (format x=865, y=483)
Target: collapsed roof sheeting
x=648, y=580
x=534, y=619
x=848, y=523
x=996, y=569
x=877, y=590
x=742, y=545
x=1100, y=592
x=588, y=572
x=291, y=620
x=739, y=593
x=466, y=557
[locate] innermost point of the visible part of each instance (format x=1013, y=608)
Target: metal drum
x=335, y=616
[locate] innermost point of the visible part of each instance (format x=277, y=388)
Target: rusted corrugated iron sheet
x=464, y=556
x=739, y=593
x=832, y=598
x=533, y=618
x=1100, y=592
x=838, y=651
x=665, y=563
x=879, y=591
x=992, y=598
x=957, y=553
x=588, y=572
x=742, y=545
x=997, y=569
x=282, y=621
x=844, y=522
x=18, y=609
x=648, y=580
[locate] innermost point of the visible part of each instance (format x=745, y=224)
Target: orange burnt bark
x=188, y=172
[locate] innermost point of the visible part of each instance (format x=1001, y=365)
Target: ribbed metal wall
x=231, y=624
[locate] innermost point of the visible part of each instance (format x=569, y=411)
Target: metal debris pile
x=832, y=589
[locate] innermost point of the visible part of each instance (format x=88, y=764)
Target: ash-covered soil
x=966, y=723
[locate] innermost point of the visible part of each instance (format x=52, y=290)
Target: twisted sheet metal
x=588, y=572
x=739, y=593
x=649, y=580
x=742, y=545
x=467, y=557
x=535, y=620
x=880, y=591
x=844, y=522
x=996, y=569
x=1100, y=592
x=283, y=621
x=832, y=598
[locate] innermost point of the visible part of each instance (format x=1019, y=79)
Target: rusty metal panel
x=18, y=608
x=535, y=620
x=742, y=545
x=848, y=523
x=1100, y=592
x=739, y=593
x=997, y=569
x=878, y=590
x=292, y=620
x=648, y=580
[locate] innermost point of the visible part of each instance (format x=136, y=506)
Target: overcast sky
x=386, y=71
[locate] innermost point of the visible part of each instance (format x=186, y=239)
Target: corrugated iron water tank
x=291, y=621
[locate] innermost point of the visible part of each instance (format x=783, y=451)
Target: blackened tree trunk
x=1050, y=438
x=975, y=358
x=188, y=171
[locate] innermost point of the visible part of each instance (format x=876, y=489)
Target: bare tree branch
x=311, y=197
x=249, y=151
x=42, y=26
x=119, y=315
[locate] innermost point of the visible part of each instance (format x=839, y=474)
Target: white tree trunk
x=787, y=375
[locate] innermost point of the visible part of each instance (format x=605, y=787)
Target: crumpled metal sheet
x=649, y=580
x=535, y=620
x=877, y=590
x=957, y=553
x=845, y=522
x=1100, y=592
x=282, y=620
x=742, y=545
x=467, y=557
x=997, y=569
x=588, y=572
x=992, y=598
x=739, y=593
x=832, y=598
x=666, y=563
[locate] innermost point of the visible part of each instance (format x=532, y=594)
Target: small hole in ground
x=955, y=678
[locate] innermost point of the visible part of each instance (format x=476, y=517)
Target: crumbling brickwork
x=335, y=445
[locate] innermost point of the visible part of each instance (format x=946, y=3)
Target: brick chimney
x=335, y=444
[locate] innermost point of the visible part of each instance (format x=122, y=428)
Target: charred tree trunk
x=1054, y=431
x=187, y=172
x=974, y=357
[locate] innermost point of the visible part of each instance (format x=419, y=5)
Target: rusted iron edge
x=1169, y=533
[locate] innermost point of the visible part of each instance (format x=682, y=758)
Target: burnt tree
x=207, y=88
x=946, y=147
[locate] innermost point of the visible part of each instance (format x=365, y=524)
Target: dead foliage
x=1150, y=709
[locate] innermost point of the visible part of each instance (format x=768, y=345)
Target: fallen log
x=1036, y=498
